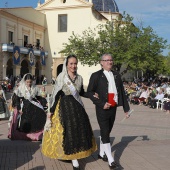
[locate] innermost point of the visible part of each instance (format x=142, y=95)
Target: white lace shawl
x=60, y=82
x=21, y=91
x=59, y=86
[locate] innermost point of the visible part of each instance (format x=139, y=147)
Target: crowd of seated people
x=34, y=47
x=38, y=47
x=150, y=92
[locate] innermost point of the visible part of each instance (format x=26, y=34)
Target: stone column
x=42, y=71
x=1, y=73
x=16, y=70
x=1, y=62
x=1, y=65
x=4, y=71
x=32, y=70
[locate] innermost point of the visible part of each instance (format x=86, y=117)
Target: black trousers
x=106, y=120
x=149, y=101
x=153, y=103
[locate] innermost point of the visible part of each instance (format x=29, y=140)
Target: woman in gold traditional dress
x=70, y=135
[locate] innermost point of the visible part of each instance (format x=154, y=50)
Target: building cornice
x=22, y=21
x=65, y=7
x=83, y=1
x=42, y=7
x=44, y=4
x=99, y=13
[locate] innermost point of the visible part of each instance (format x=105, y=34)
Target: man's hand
x=127, y=115
x=107, y=106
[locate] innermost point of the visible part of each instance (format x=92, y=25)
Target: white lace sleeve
x=3, y=95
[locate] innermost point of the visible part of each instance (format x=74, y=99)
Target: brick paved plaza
x=140, y=142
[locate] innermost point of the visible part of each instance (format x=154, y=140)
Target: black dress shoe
x=67, y=161
x=104, y=158
x=113, y=166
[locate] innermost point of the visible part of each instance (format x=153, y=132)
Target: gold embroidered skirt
x=53, y=145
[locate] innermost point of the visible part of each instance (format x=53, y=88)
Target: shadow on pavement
x=121, y=146
x=38, y=168
x=16, y=154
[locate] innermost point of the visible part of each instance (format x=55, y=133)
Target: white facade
x=15, y=24
x=78, y=19
x=80, y=16
x=42, y=23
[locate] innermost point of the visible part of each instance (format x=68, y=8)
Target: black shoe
x=66, y=161
x=104, y=158
x=113, y=166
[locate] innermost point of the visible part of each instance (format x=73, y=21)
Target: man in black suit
x=109, y=87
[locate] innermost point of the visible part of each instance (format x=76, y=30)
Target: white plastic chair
x=158, y=104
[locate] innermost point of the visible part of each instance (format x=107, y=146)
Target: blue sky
x=154, y=13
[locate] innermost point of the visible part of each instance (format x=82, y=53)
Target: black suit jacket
x=98, y=83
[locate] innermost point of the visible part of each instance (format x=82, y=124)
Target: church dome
x=105, y=5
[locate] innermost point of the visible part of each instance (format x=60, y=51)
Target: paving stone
x=140, y=142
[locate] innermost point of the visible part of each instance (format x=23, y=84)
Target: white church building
x=31, y=39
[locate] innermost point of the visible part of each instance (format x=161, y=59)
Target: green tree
x=165, y=66
x=138, y=48
x=146, y=49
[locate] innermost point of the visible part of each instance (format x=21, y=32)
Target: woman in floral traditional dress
x=4, y=112
x=29, y=116
x=70, y=137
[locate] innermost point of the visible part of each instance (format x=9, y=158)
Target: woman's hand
x=49, y=115
x=96, y=95
x=20, y=112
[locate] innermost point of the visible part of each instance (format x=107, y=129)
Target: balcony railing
x=23, y=50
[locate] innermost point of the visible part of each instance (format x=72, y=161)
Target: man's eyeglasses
x=108, y=60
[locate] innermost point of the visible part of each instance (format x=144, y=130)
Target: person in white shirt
x=159, y=96
x=163, y=85
x=168, y=90
x=109, y=87
x=144, y=95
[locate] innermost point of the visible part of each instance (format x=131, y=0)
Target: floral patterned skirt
x=70, y=136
